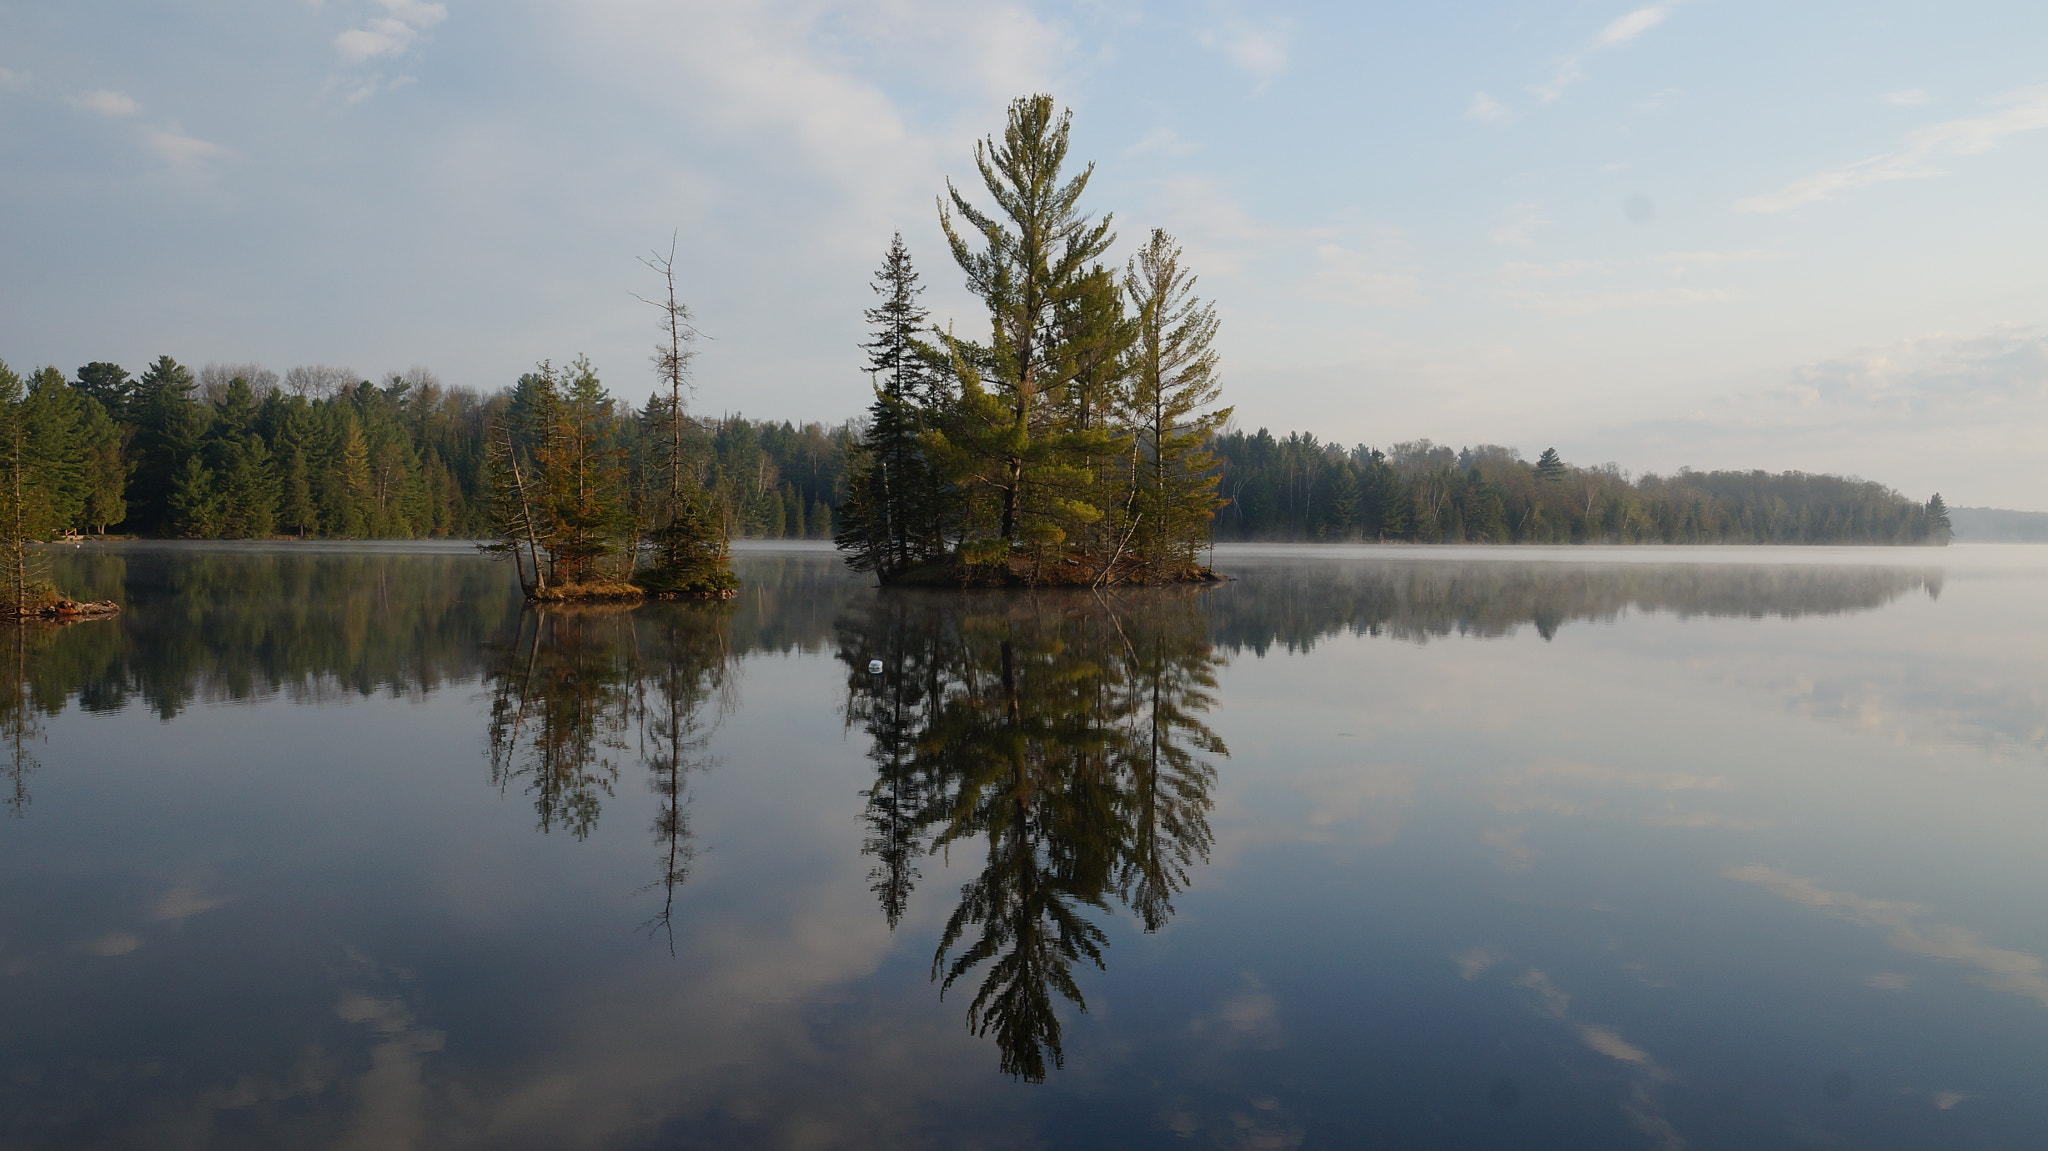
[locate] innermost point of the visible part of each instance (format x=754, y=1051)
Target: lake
x=340, y=847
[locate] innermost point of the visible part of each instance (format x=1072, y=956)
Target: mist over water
x=344, y=846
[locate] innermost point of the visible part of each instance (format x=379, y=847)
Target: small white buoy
x=874, y=667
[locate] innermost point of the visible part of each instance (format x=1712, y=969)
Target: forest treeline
x=233, y=451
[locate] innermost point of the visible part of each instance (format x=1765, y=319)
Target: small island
x=1070, y=447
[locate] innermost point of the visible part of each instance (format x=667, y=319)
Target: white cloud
x=1619, y=32
x=1257, y=49
x=1908, y=97
x=2024, y=111
x=1962, y=414
x=1163, y=140
x=2016, y=972
x=1487, y=110
x=1350, y=277
x=390, y=34
x=182, y=152
x=1627, y=28
x=106, y=102
x=1520, y=229
x=13, y=81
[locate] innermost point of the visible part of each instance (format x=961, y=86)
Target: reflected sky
x=343, y=848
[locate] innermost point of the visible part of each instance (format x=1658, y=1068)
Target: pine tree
x=109, y=385
x=169, y=425
x=1174, y=379
x=1035, y=251
x=1549, y=468
x=106, y=468
x=53, y=416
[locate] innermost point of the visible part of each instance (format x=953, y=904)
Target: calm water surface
x=1401, y=848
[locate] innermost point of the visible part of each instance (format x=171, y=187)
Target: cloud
x=1487, y=110
x=1520, y=230
x=106, y=102
x=1908, y=97
x=1351, y=277
x=1679, y=261
x=1627, y=28
x=1621, y=31
x=1165, y=141
x=1543, y=288
x=1258, y=49
x=13, y=81
x=390, y=34
x=182, y=152
x=1951, y=412
x=1474, y=962
x=2002, y=969
x=2024, y=110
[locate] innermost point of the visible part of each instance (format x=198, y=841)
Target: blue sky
x=1703, y=233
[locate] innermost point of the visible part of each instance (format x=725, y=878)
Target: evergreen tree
x=1939, y=529
x=109, y=384
x=691, y=544
x=103, y=445
x=169, y=425
x=53, y=417
x=1034, y=254
x=893, y=516
x=240, y=467
x=1173, y=381
x=1549, y=468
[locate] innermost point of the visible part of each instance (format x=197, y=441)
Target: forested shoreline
x=234, y=451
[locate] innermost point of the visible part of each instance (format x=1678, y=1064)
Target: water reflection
x=578, y=689
x=1294, y=603
x=1062, y=736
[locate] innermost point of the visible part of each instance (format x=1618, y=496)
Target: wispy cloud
x=12, y=80
x=1908, y=97
x=390, y=34
x=1619, y=32
x=106, y=102
x=1487, y=110
x=181, y=152
x=1258, y=48
x=1520, y=229
x=2016, y=972
x=2022, y=111
x=1165, y=141
x=1562, y=289
x=1351, y=277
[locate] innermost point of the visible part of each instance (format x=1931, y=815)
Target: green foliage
x=1064, y=449
x=1419, y=491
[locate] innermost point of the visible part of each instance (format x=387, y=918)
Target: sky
x=1694, y=233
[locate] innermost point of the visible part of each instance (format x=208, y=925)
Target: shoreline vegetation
x=1069, y=448
x=1080, y=444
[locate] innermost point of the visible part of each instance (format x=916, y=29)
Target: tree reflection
x=580, y=688
x=1062, y=734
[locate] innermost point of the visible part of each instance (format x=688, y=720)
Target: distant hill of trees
x=235, y=451
x=1299, y=488
x=1999, y=526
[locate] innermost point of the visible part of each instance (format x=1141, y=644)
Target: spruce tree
x=893, y=516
